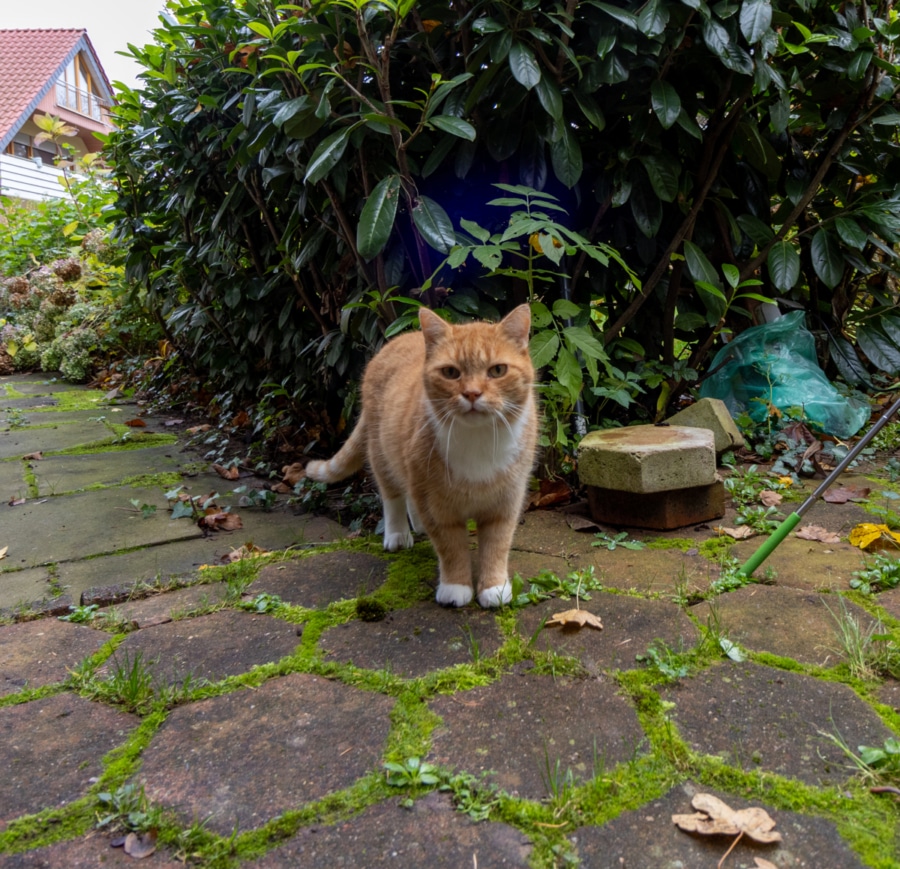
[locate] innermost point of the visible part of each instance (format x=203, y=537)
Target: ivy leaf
x=377, y=218
x=784, y=265
x=434, y=224
x=523, y=65
x=666, y=103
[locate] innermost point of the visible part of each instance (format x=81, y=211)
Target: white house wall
x=24, y=179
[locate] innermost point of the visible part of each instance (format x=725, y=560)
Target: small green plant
x=263, y=498
x=663, y=660
x=127, y=808
x=620, y=539
x=761, y=519
x=730, y=578
x=879, y=766
x=548, y=584
x=262, y=603
x=81, y=614
x=870, y=652
x=130, y=683
x=413, y=772
x=146, y=510
x=560, y=785
x=881, y=572
x=312, y=497
x=468, y=797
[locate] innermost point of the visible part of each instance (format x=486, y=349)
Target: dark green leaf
x=327, y=155
x=523, y=65
x=653, y=18
x=565, y=310
x=582, y=340
x=663, y=174
x=549, y=97
x=568, y=373
x=454, y=126
x=666, y=103
x=565, y=155
x=784, y=265
x=699, y=266
x=755, y=19
x=883, y=353
x=758, y=232
x=377, y=218
x=646, y=209
x=851, y=233
x=591, y=111
x=433, y=223
x=827, y=259
x=847, y=362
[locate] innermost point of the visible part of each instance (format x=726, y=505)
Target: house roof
x=30, y=63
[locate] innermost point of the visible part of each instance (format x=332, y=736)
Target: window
x=76, y=91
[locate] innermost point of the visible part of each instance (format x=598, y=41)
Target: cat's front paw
x=495, y=596
x=453, y=595
x=398, y=540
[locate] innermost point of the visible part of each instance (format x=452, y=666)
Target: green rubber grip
x=766, y=549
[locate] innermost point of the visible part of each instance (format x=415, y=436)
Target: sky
x=111, y=25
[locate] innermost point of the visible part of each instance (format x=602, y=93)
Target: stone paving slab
x=530, y=732
x=50, y=751
x=38, y=384
x=110, y=577
x=547, y=533
x=649, y=571
x=57, y=475
x=630, y=626
x=33, y=654
x=29, y=403
x=90, y=523
x=322, y=579
x=51, y=416
x=755, y=717
x=246, y=757
x=414, y=641
x=12, y=481
x=23, y=587
x=210, y=647
x=18, y=442
x=166, y=607
x=646, y=837
x=429, y=834
x=88, y=852
x=784, y=621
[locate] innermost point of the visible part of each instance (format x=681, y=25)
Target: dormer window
x=75, y=90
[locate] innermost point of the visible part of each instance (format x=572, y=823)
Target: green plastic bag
x=776, y=364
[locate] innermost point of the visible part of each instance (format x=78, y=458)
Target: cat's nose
x=472, y=395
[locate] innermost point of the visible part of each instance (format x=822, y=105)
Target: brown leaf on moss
x=768, y=498
x=716, y=818
x=231, y=473
x=136, y=423
x=140, y=845
x=843, y=494
x=575, y=618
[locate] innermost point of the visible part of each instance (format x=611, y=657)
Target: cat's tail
x=349, y=459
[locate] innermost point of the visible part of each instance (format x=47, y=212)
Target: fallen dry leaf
x=17, y=502
x=715, y=817
x=870, y=536
x=34, y=457
x=550, y=492
x=576, y=617
x=140, y=845
x=768, y=498
x=220, y=521
x=764, y=864
x=293, y=474
x=281, y=488
x=231, y=473
x=198, y=429
x=3, y=551
x=817, y=533
x=843, y=494
x=170, y=422
x=136, y=423
x=742, y=532
x=248, y=550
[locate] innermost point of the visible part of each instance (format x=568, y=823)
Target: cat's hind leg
x=396, y=526
x=414, y=519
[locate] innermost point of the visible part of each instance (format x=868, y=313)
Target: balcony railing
x=81, y=101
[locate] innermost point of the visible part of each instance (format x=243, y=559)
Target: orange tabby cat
x=449, y=428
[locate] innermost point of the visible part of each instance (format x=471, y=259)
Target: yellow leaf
x=868, y=535
x=69, y=228
x=535, y=241
x=12, y=348
x=786, y=481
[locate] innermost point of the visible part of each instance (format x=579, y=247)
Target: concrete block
x=660, y=511
x=647, y=458
x=712, y=414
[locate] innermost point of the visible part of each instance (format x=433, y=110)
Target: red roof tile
x=30, y=62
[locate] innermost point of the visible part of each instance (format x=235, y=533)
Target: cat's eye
x=450, y=372
x=497, y=370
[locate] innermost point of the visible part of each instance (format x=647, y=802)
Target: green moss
x=715, y=548
x=683, y=544
x=165, y=480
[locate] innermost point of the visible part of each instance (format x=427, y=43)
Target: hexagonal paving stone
x=528, y=728
x=318, y=580
x=50, y=749
x=630, y=625
x=429, y=834
x=250, y=755
x=415, y=641
x=757, y=717
x=795, y=624
x=39, y=653
x=210, y=647
x=647, y=837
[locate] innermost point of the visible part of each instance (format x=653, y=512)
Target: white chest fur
x=476, y=452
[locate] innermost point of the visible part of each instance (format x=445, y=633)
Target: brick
x=660, y=511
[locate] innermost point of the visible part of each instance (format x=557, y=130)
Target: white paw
x=399, y=540
x=495, y=596
x=453, y=595
x=314, y=470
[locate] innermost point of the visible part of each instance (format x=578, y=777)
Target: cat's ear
x=433, y=327
x=517, y=324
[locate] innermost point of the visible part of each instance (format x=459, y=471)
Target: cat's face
x=480, y=373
